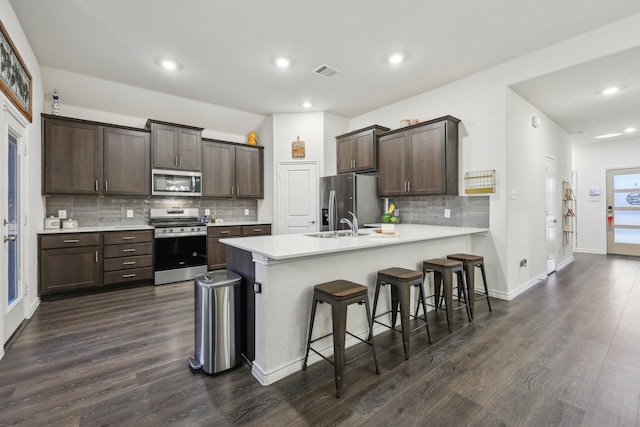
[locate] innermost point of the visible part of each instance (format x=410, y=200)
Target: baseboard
x=590, y=251
x=508, y=296
x=33, y=308
x=1, y=352
x=266, y=378
x=564, y=263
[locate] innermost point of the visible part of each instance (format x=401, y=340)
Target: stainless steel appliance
x=349, y=192
x=217, y=322
x=176, y=183
x=180, y=244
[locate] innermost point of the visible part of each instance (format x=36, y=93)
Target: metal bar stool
x=443, y=270
x=401, y=281
x=469, y=263
x=340, y=294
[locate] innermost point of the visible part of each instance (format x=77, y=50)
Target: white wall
x=333, y=126
x=34, y=201
x=480, y=101
x=134, y=106
x=591, y=162
x=527, y=152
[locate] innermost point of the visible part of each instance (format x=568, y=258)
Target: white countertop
x=96, y=229
x=288, y=246
x=137, y=227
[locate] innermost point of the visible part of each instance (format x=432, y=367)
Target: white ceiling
x=226, y=48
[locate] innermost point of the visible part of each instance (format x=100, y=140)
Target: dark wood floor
x=567, y=352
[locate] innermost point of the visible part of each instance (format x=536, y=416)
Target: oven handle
x=183, y=234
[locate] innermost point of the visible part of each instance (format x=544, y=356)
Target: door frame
x=277, y=192
x=10, y=118
x=551, y=220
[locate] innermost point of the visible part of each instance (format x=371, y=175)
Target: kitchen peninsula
x=285, y=268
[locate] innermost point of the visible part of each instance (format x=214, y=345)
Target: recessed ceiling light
x=608, y=135
x=283, y=62
x=610, y=90
x=306, y=104
x=396, y=58
x=169, y=64
x=629, y=130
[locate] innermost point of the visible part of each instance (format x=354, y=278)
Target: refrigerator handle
x=332, y=210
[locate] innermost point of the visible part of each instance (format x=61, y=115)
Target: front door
x=623, y=211
x=13, y=304
x=297, y=197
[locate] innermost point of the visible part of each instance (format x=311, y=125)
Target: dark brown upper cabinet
x=232, y=170
x=175, y=146
x=357, y=151
x=419, y=160
x=127, y=162
x=83, y=157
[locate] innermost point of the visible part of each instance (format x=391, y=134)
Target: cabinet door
x=164, y=140
x=127, y=162
x=70, y=269
x=218, y=166
x=365, y=152
x=216, y=254
x=249, y=174
x=72, y=157
x=428, y=172
x=392, y=165
x=189, y=149
x=345, y=150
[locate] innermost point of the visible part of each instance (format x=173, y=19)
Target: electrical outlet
x=129, y=213
x=246, y=211
x=207, y=211
x=62, y=214
x=447, y=213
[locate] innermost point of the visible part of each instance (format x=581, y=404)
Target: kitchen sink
x=332, y=234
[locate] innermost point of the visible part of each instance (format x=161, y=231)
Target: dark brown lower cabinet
x=217, y=252
x=128, y=257
x=69, y=262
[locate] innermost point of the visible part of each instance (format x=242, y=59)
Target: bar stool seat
x=401, y=281
x=339, y=294
x=469, y=263
x=443, y=270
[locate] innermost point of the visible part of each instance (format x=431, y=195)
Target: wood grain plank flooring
x=566, y=352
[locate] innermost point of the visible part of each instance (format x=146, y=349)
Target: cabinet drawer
x=115, y=251
x=256, y=230
x=119, y=237
x=128, y=263
x=224, y=232
x=124, y=276
x=69, y=240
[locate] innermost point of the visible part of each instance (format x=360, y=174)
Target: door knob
x=312, y=221
x=9, y=239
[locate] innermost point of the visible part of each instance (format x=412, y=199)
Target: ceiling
x=226, y=48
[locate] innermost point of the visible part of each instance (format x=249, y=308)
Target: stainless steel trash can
x=217, y=322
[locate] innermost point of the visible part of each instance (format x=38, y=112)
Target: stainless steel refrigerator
x=342, y=193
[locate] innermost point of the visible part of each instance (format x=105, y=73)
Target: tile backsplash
x=92, y=211
x=466, y=211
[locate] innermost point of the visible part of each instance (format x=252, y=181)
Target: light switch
x=447, y=213
x=62, y=214
x=129, y=213
x=246, y=211
x=207, y=212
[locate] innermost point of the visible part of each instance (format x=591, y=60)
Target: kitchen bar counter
x=285, y=268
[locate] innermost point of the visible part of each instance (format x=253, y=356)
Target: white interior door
x=551, y=214
x=13, y=300
x=297, y=197
x=623, y=202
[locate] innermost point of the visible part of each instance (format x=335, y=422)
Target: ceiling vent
x=325, y=71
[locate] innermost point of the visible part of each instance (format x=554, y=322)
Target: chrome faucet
x=353, y=225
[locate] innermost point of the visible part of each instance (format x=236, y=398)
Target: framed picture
x=15, y=79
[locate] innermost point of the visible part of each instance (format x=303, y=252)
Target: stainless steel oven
x=180, y=244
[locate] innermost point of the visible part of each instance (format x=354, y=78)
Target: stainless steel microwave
x=176, y=183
